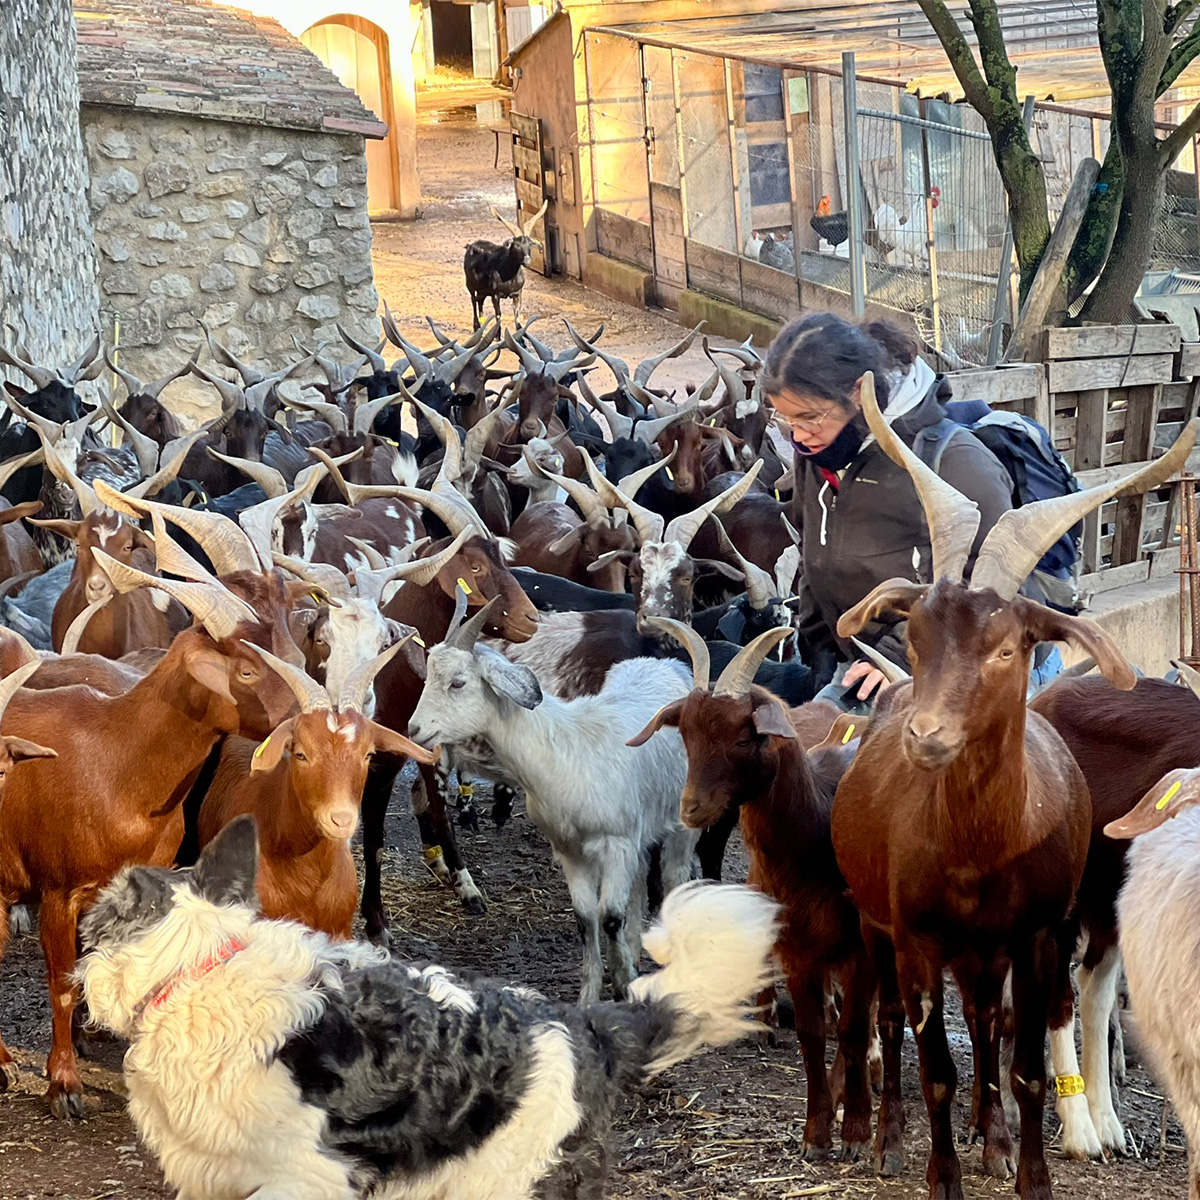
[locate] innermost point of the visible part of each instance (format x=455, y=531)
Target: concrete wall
x=47, y=258
x=261, y=232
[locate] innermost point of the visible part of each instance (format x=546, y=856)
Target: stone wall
x=261, y=232
x=47, y=257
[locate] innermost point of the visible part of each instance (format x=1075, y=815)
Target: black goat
x=498, y=272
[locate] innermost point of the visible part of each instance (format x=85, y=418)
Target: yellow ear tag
x=462, y=583
x=670, y=474
x=847, y=735
x=316, y=596
x=265, y=743
x=778, y=496
x=712, y=421
x=1172, y=791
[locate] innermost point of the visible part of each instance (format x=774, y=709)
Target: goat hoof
x=468, y=818
x=999, y=1162
x=65, y=1105
x=815, y=1153
x=853, y=1152
x=889, y=1164
x=9, y=1075
x=475, y=905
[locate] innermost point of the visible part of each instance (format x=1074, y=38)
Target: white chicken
x=906, y=234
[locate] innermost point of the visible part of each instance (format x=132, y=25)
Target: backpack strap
x=930, y=443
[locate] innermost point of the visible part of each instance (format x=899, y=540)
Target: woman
x=857, y=511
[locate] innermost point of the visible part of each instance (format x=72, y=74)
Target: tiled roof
x=211, y=60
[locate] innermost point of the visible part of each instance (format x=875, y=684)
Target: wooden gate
x=663, y=158
x=530, y=183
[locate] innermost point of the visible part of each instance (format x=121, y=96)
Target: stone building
x=47, y=257
x=228, y=183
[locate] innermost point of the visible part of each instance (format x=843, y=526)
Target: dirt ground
x=726, y=1126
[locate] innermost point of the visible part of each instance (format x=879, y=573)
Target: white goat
x=1159, y=916
x=600, y=804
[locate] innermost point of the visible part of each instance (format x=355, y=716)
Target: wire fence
x=733, y=178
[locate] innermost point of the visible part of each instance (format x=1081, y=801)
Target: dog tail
x=713, y=943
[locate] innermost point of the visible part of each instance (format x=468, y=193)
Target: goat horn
x=311, y=695
x=173, y=458
x=953, y=519
x=649, y=430
x=232, y=396
x=227, y=358
x=144, y=448
x=333, y=466
x=632, y=483
x=331, y=414
x=365, y=414
x=417, y=359
x=792, y=531
x=35, y=420
x=133, y=385
x=477, y=439
x=88, y=501
x=15, y=680
x=423, y=571
x=375, y=560
x=527, y=226
x=87, y=366
x=40, y=376
x=595, y=512
x=1021, y=536
x=1189, y=675
x=705, y=391
x=892, y=672
x=692, y=642
x=322, y=575
x=648, y=524
x=222, y=540
x=267, y=478
x=648, y=366
x=684, y=528
x=258, y=521
x=71, y=639
x=620, y=426
x=358, y=684
x=373, y=356
x=214, y=606
x=467, y=634
x=155, y=389
x=12, y=465
x=736, y=679
x=513, y=229
x=28, y=653
x=759, y=585
x=618, y=367
x=257, y=394
x=456, y=513
x=170, y=557
x=735, y=390
x=451, y=468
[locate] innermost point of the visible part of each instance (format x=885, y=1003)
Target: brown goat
x=304, y=787
x=18, y=554
x=551, y=538
x=744, y=754
x=127, y=622
x=126, y=762
x=962, y=825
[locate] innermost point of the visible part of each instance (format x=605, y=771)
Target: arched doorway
x=356, y=51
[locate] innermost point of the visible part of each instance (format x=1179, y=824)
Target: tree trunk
x=1133, y=242
x=1091, y=247
x=1025, y=183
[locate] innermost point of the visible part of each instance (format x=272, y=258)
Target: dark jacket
x=866, y=531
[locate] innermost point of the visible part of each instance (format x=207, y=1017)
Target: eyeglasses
x=805, y=424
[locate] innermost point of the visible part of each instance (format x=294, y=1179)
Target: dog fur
x=268, y=1062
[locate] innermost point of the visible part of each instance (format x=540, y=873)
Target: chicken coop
x=724, y=153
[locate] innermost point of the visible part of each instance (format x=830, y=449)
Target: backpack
x=1038, y=472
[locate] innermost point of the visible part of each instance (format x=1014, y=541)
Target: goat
x=498, y=272
x=18, y=554
x=303, y=785
x=125, y=764
x=1158, y=915
x=599, y=804
x=744, y=756
x=477, y=1089
x=1124, y=742
x=962, y=825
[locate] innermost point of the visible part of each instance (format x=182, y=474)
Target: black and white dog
x=267, y=1062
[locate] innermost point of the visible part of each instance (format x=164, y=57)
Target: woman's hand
x=872, y=677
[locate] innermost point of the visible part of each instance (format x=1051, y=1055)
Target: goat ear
x=568, y=539
x=1046, y=625
x=770, y=720
x=611, y=556
x=67, y=529
x=845, y=728
x=722, y=568
x=892, y=596
x=19, y=512
x=511, y=680
x=387, y=741
x=209, y=669
x=227, y=869
x=19, y=748
x=268, y=754
x=1166, y=799
x=667, y=715
x=143, y=540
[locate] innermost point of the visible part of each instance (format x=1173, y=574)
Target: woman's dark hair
x=824, y=355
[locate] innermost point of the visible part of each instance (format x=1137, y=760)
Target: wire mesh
x=617, y=126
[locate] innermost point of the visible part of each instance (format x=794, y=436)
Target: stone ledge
x=723, y=319
x=1143, y=619
x=617, y=279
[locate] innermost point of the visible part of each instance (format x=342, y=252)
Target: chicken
x=833, y=227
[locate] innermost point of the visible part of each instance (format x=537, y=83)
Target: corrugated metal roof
x=1052, y=44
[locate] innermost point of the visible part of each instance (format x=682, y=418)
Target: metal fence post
x=858, y=260
x=1006, y=253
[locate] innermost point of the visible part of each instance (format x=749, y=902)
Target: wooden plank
x=714, y=271
x=1110, y=578
x=1164, y=562
x=1141, y=415
x=527, y=161
x=1073, y=375
x=1091, y=414
x=525, y=126
x=1093, y=477
x=999, y=385
x=621, y=237
x=529, y=195
x=1104, y=341
x=1188, y=366
x=767, y=291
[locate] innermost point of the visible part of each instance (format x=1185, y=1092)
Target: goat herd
x=267, y=616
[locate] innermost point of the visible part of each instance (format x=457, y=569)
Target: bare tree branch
x=1171, y=147
x=1182, y=53
x=1176, y=14
x=958, y=51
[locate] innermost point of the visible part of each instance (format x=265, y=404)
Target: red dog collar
x=159, y=995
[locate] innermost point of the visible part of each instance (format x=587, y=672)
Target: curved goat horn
x=358, y=684
x=144, y=448
x=1017, y=541
x=648, y=366
x=328, y=578
x=373, y=356
x=649, y=430
x=87, y=366
x=759, y=585
x=648, y=524
x=423, y=571
x=331, y=414
x=417, y=360
x=467, y=634
x=267, y=478
x=215, y=607
x=12, y=465
x=456, y=512
x=154, y=389
x=226, y=357
x=619, y=425
x=133, y=385
x=88, y=502
x=618, y=367
x=451, y=468
x=15, y=680
x=892, y=672
x=953, y=519
x=258, y=521
x=172, y=462
x=232, y=395
x=684, y=528
x=170, y=557
x=691, y=641
x=477, y=439
x=735, y=389
x=71, y=639
x=632, y=483
x=227, y=546
x=736, y=679
x=595, y=512
x=311, y=695
x=34, y=420
x=40, y=376
x=365, y=414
